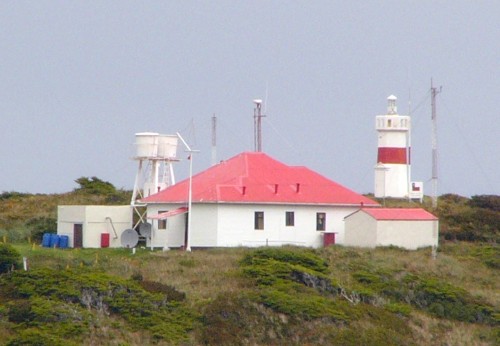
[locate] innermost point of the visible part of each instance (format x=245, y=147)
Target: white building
x=409, y=228
x=392, y=171
x=93, y=226
x=251, y=200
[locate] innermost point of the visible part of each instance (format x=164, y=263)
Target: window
x=320, y=221
x=259, y=220
x=290, y=218
x=162, y=224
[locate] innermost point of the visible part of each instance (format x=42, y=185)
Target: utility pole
x=257, y=118
x=214, y=140
x=434, y=179
x=190, y=192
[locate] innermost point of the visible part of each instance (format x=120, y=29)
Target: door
x=77, y=235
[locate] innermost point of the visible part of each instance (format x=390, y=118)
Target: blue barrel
x=46, y=240
x=54, y=240
x=63, y=241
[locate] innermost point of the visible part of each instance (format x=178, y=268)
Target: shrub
x=35, y=337
x=40, y=225
x=304, y=258
x=95, y=186
x=489, y=255
x=169, y=292
x=9, y=258
x=20, y=311
x=59, y=297
x=491, y=202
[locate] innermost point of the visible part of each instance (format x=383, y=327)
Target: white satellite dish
x=129, y=238
x=145, y=229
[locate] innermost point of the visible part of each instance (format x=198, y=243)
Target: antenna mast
x=214, y=140
x=257, y=118
x=434, y=179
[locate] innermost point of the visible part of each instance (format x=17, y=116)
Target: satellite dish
x=145, y=229
x=129, y=238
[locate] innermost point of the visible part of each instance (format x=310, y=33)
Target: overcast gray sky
x=79, y=78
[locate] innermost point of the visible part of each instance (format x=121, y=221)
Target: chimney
x=243, y=190
x=275, y=188
x=297, y=187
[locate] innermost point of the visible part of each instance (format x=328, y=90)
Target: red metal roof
x=170, y=213
x=254, y=177
x=399, y=214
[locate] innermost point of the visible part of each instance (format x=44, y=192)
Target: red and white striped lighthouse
x=392, y=172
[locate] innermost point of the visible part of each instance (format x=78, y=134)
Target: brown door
x=77, y=235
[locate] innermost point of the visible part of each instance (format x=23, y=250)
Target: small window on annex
x=162, y=224
x=320, y=221
x=259, y=220
x=290, y=218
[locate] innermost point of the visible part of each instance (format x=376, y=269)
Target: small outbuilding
x=409, y=228
x=93, y=226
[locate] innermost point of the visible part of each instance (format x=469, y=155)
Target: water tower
x=155, y=154
x=393, y=170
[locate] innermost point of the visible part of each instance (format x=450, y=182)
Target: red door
x=77, y=235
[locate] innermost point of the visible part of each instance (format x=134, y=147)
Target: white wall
x=236, y=225
x=407, y=234
x=364, y=231
x=204, y=220
x=360, y=230
x=173, y=235
x=231, y=225
x=67, y=217
x=94, y=223
x=120, y=218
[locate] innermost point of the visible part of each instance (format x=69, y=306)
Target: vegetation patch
x=235, y=319
x=56, y=302
x=9, y=258
x=429, y=294
x=488, y=254
x=475, y=219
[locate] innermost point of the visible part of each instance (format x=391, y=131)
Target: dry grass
x=465, y=272
x=207, y=274
x=434, y=331
x=201, y=274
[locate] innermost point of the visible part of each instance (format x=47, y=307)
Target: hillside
x=267, y=296
x=25, y=215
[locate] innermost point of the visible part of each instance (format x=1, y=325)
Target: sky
x=78, y=79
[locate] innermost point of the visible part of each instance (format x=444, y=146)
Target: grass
x=270, y=296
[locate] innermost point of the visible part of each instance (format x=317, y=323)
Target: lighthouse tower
x=392, y=171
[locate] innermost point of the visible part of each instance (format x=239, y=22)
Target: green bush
x=20, y=311
x=233, y=319
x=36, y=337
x=40, y=225
x=475, y=219
x=304, y=305
x=9, y=258
x=59, y=297
x=302, y=257
x=491, y=202
x=95, y=186
x=489, y=255
x=170, y=293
